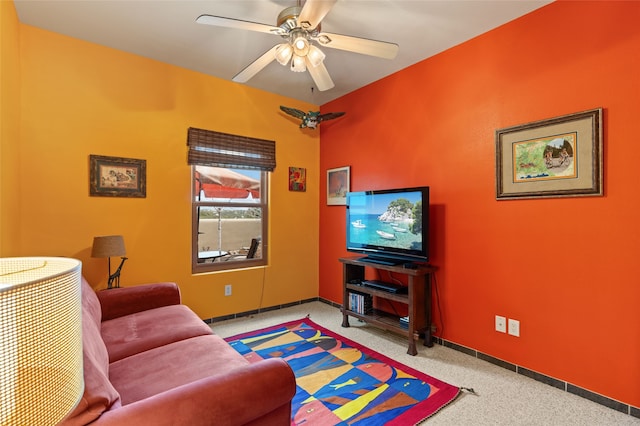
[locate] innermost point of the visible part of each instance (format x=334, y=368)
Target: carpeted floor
x=503, y=397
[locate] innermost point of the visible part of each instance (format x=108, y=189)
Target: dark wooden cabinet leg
x=428, y=338
x=412, y=348
x=345, y=320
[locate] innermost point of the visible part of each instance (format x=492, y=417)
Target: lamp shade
x=297, y=64
x=107, y=246
x=315, y=56
x=41, y=378
x=283, y=53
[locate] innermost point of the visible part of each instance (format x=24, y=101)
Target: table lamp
x=107, y=246
x=41, y=377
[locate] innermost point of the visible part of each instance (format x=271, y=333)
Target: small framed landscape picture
x=117, y=177
x=338, y=186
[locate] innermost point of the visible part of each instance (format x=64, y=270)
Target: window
x=229, y=202
x=229, y=216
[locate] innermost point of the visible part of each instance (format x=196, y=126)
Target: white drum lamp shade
x=41, y=376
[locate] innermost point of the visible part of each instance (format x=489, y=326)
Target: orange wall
x=567, y=269
x=9, y=125
x=80, y=98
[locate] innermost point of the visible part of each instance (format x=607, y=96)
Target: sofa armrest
x=242, y=396
x=117, y=302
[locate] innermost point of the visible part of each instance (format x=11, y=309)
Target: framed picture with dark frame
x=117, y=177
x=557, y=157
x=338, y=184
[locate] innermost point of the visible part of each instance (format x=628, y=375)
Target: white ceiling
x=165, y=30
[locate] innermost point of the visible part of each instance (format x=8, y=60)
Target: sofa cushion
x=98, y=394
x=131, y=334
x=121, y=301
x=148, y=373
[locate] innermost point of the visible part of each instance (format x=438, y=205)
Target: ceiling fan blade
x=256, y=66
x=313, y=12
x=219, y=21
x=365, y=46
x=320, y=76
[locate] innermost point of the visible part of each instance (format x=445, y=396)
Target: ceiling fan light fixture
x=315, y=56
x=284, y=53
x=298, y=64
x=301, y=46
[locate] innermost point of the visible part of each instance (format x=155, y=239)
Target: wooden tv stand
x=417, y=298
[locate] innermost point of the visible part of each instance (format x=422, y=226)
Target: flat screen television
x=389, y=226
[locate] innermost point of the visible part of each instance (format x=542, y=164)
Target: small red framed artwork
x=297, y=179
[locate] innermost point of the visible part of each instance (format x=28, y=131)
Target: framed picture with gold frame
x=557, y=157
x=117, y=177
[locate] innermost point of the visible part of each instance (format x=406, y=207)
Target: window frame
x=229, y=264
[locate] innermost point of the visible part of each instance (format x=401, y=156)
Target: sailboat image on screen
x=358, y=224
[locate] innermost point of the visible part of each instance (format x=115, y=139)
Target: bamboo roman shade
x=209, y=148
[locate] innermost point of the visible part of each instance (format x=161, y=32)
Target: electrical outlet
x=501, y=324
x=227, y=290
x=514, y=327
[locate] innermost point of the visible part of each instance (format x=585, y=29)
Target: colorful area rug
x=340, y=382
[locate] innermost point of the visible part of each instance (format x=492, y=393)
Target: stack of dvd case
x=404, y=322
x=360, y=303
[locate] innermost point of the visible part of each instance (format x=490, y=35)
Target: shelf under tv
x=383, y=320
x=417, y=299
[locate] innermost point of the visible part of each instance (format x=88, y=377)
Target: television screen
x=390, y=226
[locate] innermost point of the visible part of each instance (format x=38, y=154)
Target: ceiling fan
x=300, y=27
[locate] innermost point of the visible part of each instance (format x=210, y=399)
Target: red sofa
x=149, y=360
